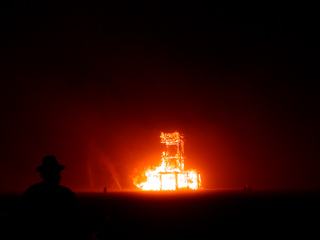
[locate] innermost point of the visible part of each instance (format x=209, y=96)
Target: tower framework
x=174, y=154
x=174, y=176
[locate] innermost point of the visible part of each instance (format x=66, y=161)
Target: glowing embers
x=170, y=175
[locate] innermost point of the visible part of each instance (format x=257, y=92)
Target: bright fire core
x=170, y=175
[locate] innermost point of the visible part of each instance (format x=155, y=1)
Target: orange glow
x=170, y=174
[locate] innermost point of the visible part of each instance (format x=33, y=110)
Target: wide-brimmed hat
x=50, y=164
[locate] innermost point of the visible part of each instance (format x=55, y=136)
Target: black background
x=95, y=83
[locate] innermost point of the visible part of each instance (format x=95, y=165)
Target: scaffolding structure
x=173, y=158
x=174, y=154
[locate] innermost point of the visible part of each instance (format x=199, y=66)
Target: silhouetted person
x=49, y=209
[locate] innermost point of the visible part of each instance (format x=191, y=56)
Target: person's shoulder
x=37, y=185
x=34, y=188
x=66, y=190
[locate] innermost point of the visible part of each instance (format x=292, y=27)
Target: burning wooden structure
x=170, y=175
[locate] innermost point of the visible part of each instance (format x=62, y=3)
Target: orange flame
x=170, y=175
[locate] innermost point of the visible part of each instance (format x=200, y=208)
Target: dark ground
x=187, y=215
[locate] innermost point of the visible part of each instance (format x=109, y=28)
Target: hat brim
x=50, y=169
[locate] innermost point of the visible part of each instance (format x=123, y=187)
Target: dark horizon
x=95, y=85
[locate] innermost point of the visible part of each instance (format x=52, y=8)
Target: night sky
x=95, y=85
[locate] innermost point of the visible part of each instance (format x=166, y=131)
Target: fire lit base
x=178, y=180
